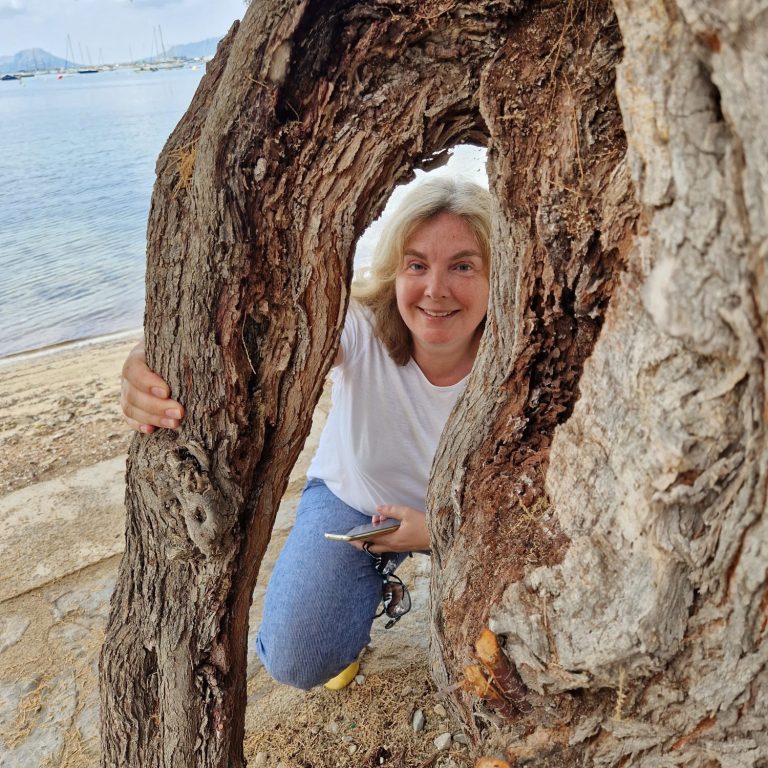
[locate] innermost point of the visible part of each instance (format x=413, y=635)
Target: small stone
x=352, y=748
x=261, y=760
x=359, y=679
x=314, y=729
x=443, y=742
x=418, y=721
x=440, y=710
x=460, y=738
x=332, y=727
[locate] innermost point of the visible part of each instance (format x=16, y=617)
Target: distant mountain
x=32, y=59
x=194, y=50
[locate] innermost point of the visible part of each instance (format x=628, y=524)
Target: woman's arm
x=145, y=397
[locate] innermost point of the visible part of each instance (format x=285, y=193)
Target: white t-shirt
x=384, y=425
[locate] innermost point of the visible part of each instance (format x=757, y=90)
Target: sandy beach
x=62, y=466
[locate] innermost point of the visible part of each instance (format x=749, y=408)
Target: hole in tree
x=469, y=163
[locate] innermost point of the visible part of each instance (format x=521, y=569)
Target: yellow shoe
x=344, y=678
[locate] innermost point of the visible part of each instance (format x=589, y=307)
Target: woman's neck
x=444, y=367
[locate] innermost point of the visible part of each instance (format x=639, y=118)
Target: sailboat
x=165, y=62
x=89, y=70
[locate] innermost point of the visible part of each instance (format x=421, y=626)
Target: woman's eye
x=414, y=266
x=464, y=267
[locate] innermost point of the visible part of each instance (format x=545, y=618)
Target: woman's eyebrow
x=465, y=254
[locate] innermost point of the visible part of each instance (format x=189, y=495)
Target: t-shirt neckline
x=446, y=388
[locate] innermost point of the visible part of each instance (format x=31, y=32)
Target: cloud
x=10, y=8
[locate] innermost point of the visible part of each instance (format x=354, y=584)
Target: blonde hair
x=375, y=289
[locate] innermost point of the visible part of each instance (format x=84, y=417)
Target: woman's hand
x=144, y=396
x=411, y=536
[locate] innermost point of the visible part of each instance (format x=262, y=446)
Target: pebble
x=261, y=760
x=443, y=742
x=440, y=710
x=418, y=721
x=352, y=748
x=359, y=679
x=460, y=738
x=332, y=727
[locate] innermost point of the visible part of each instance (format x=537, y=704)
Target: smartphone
x=367, y=531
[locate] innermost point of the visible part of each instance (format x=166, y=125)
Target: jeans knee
x=293, y=668
x=294, y=675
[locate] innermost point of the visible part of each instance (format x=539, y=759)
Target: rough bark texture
x=309, y=116
x=597, y=498
x=621, y=557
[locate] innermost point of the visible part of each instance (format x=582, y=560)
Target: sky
x=111, y=30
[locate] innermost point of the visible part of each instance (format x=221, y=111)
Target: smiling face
x=442, y=287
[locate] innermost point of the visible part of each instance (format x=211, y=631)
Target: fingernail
x=173, y=413
x=158, y=392
x=145, y=428
x=170, y=423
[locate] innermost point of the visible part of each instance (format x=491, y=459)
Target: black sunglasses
x=395, y=598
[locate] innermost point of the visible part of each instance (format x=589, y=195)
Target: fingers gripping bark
x=145, y=397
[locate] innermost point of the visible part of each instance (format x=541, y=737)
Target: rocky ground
x=62, y=449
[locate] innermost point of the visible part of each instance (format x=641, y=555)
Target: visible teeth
x=437, y=314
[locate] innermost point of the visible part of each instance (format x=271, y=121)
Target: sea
x=77, y=165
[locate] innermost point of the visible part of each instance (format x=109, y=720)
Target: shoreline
x=30, y=355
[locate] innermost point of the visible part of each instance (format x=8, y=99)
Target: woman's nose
x=437, y=285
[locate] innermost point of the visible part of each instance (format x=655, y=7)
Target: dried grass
x=185, y=157
x=373, y=720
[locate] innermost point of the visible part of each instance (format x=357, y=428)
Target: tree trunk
x=623, y=548
x=600, y=504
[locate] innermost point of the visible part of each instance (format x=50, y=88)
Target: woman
x=409, y=341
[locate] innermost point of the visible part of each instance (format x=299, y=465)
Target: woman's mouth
x=436, y=314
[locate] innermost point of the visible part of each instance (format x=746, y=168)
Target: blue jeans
x=322, y=597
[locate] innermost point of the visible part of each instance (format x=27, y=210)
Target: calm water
x=77, y=160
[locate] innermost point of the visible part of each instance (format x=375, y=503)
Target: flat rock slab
x=53, y=528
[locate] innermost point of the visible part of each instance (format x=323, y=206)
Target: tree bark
x=597, y=497
x=605, y=519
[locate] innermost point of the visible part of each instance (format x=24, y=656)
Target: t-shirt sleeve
x=356, y=333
